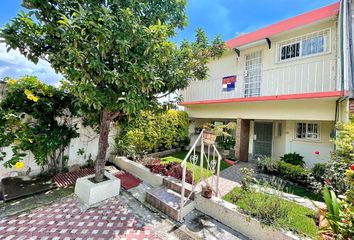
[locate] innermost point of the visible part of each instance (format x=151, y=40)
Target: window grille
x=306, y=45
x=308, y=131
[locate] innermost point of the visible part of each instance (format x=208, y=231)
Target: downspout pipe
x=351, y=48
x=345, y=19
x=341, y=60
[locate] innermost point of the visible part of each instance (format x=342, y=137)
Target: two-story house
x=283, y=86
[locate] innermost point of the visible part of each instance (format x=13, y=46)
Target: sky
x=227, y=18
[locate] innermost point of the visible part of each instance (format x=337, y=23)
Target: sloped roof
x=285, y=25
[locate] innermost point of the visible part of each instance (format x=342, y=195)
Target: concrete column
x=242, y=139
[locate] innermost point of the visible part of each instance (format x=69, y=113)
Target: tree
x=36, y=117
x=116, y=55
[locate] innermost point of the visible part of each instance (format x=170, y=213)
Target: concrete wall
x=305, y=109
x=287, y=142
x=308, y=148
x=88, y=141
x=229, y=215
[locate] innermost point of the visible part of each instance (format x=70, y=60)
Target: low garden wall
x=138, y=170
x=228, y=214
x=164, y=153
x=87, y=141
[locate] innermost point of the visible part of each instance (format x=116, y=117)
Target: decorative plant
x=247, y=179
x=212, y=131
x=149, y=131
x=318, y=171
x=219, y=130
x=339, y=176
x=207, y=191
x=293, y=158
x=36, y=117
x=227, y=143
x=171, y=169
x=332, y=214
x=268, y=164
x=116, y=56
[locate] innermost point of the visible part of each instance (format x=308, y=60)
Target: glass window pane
x=313, y=45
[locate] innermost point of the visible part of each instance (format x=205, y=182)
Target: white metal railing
x=309, y=77
x=212, y=158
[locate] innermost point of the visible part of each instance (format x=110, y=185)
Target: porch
x=274, y=138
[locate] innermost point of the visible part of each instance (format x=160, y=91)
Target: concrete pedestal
x=91, y=193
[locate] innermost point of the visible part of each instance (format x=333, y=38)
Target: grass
x=298, y=219
x=179, y=157
x=302, y=192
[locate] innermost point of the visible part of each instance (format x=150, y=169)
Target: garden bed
x=138, y=170
x=299, y=219
x=179, y=157
x=231, y=216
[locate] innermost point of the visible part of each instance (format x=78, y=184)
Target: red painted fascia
x=285, y=25
x=268, y=98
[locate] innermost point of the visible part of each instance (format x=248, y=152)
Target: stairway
x=167, y=198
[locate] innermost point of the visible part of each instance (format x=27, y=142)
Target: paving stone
x=84, y=225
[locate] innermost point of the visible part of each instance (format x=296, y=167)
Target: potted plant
x=207, y=191
x=226, y=145
x=211, y=131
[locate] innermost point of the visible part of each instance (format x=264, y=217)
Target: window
x=290, y=51
x=308, y=131
x=313, y=45
x=307, y=45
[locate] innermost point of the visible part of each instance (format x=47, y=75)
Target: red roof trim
x=285, y=25
x=268, y=98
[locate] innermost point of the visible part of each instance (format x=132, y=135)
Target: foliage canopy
x=35, y=117
x=116, y=55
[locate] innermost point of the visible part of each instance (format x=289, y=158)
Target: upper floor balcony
x=298, y=78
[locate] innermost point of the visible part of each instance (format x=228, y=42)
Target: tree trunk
x=105, y=123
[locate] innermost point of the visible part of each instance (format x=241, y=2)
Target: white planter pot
x=91, y=193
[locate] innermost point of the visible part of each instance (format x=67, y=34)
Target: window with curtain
x=309, y=131
x=307, y=45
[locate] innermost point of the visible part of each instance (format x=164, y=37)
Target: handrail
x=192, y=148
x=214, y=168
x=184, y=169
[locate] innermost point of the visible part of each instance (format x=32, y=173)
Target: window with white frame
x=307, y=45
x=307, y=130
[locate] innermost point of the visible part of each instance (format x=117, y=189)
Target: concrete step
x=168, y=201
x=176, y=185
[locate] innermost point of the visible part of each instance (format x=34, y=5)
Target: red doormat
x=127, y=181
x=69, y=178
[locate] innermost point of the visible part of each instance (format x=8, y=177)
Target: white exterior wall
x=305, y=109
x=88, y=141
x=287, y=142
x=300, y=75
x=307, y=148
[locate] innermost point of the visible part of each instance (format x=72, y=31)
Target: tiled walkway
x=65, y=220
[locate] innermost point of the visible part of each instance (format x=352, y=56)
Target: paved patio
x=117, y=218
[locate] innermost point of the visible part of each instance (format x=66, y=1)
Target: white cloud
x=15, y=65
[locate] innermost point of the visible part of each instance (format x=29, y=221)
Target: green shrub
x=294, y=173
x=318, y=171
x=151, y=131
x=268, y=165
x=293, y=158
x=247, y=179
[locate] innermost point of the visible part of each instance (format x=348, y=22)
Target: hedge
x=151, y=131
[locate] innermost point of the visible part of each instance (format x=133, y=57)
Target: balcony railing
x=301, y=78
